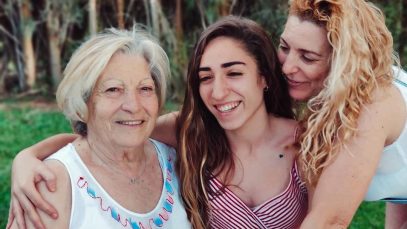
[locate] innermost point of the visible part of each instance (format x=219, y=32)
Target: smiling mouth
x=228, y=107
x=130, y=122
x=293, y=82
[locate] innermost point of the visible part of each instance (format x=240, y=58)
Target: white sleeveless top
x=92, y=206
x=390, y=180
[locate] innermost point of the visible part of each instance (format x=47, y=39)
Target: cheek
x=281, y=56
x=203, y=92
x=151, y=105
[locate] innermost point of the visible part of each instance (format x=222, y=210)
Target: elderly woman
x=113, y=175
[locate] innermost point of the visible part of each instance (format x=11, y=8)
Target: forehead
x=126, y=67
x=305, y=34
x=225, y=49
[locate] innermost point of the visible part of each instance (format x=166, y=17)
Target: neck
x=102, y=150
x=253, y=133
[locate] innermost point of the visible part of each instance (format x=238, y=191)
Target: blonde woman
x=338, y=55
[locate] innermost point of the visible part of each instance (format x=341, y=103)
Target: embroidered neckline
x=158, y=219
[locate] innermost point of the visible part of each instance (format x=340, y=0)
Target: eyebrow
x=224, y=65
x=302, y=50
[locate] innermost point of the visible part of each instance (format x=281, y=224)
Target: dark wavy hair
x=203, y=146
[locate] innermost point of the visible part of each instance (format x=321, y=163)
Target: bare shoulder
x=60, y=199
x=387, y=111
x=286, y=128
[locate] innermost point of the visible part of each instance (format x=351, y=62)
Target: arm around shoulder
x=344, y=182
x=60, y=199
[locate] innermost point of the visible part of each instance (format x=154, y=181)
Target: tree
x=13, y=33
x=27, y=25
x=120, y=13
x=92, y=17
x=59, y=16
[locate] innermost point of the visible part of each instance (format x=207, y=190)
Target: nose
x=290, y=64
x=131, y=102
x=220, y=88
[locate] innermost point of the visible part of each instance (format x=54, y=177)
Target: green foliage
x=369, y=215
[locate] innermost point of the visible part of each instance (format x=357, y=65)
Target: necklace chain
x=132, y=179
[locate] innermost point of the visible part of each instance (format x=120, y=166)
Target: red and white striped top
x=286, y=210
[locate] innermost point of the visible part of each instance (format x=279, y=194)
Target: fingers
x=19, y=214
x=44, y=173
x=34, y=198
x=10, y=216
x=29, y=210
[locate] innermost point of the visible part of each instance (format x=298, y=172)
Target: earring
x=266, y=88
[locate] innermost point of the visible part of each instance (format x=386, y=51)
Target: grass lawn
x=22, y=126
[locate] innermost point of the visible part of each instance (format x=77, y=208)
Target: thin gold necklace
x=132, y=179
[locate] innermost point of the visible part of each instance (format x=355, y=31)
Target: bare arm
x=343, y=184
x=396, y=215
x=165, y=129
x=61, y=199
x=50, y=145
x=28, y=169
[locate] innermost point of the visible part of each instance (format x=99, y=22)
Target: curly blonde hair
x=361, y=60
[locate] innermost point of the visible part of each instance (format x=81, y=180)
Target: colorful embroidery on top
x=157, y=221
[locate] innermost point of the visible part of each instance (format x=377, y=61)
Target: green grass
x=19, y=128
x=22, y=127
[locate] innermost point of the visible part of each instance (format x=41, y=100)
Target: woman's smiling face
x=304, y=53
x=124, y=104
x=230, y=84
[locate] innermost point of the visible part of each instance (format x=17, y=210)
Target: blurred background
x=38, y=37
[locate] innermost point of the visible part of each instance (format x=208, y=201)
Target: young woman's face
x=230, y=84
x=304, y=54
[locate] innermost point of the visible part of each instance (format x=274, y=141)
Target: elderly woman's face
x=304, y=54
x=124, y=106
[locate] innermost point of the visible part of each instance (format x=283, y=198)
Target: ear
x=263, y=82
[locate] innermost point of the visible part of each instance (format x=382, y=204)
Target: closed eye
x=307, y=59
x=235, y=74
x=205, y=78
x=283, y=48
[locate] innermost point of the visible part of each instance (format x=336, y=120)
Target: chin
x=300, y=96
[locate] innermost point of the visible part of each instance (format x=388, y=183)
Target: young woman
x=236, y=123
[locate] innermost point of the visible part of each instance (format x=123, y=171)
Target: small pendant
x=280, y=155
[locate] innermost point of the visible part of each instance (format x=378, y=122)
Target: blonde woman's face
x=124, y=104
x=304, y=53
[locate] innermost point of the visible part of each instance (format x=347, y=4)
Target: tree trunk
x=178, y=21
x=201, y=13
x=53, y=28
x=155, y=17
x=55, y=61
x=29, y=57
x=92, y=17
x=120, y=13
x=224, y=8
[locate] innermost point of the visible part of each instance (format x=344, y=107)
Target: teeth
x=130, y=122
x=227, y=107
